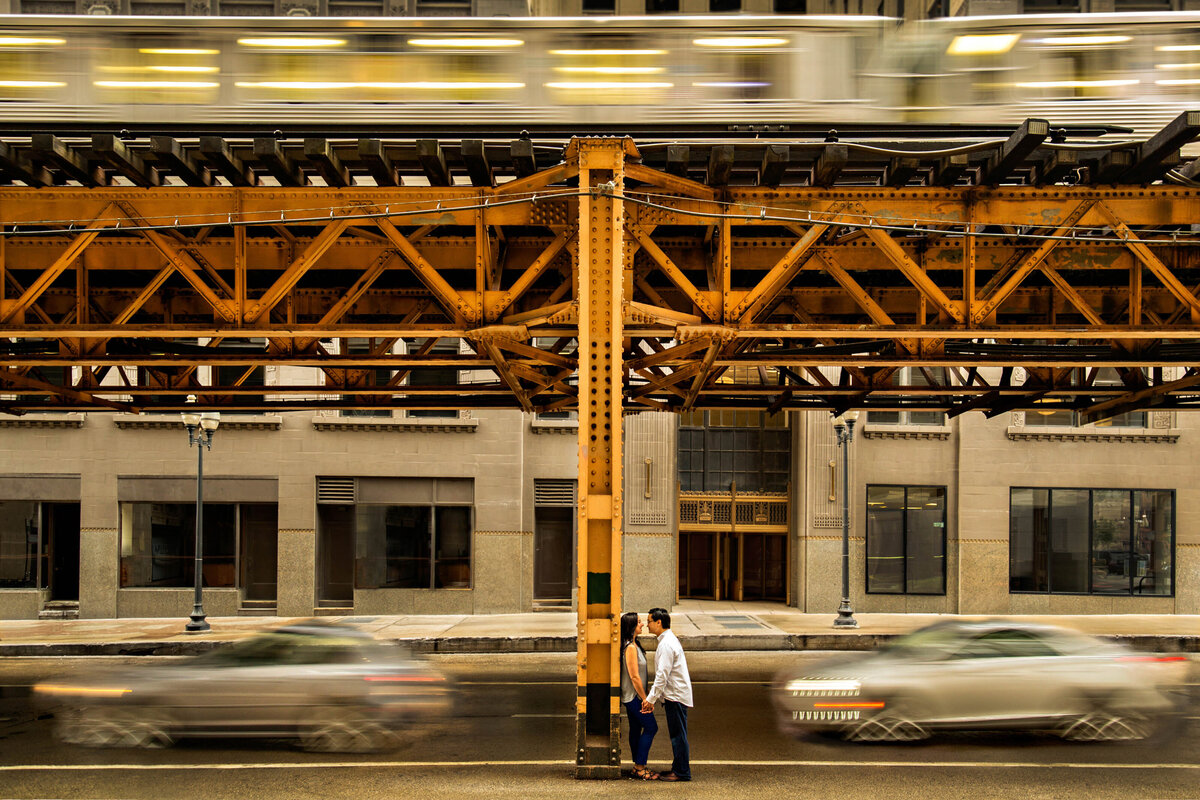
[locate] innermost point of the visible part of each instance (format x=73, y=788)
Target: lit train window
x=740, y=65
x=157, y=69
x=31, y=66
x=592, y=70
x=429, y=68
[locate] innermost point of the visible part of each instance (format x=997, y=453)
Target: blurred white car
x=334, y=687
x=985, y=675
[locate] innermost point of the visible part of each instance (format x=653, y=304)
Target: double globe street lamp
x=200, y=428
x=843, y=426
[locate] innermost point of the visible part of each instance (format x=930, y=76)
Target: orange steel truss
x=603, y=279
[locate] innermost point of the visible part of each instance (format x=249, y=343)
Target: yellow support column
x=600, y=295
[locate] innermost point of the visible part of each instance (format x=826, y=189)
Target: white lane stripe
x=551, y=763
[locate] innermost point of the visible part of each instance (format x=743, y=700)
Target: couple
x=672, y=685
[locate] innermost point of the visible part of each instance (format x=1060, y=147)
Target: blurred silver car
x=984, y=675
x=334, y=687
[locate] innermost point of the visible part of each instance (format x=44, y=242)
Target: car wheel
x=81, y=725
x=345, y=730
x=107, y=727
x=1106, y=725
x=893, y=725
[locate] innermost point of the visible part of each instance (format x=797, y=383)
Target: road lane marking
x=553, y=763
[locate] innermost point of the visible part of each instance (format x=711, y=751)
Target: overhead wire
x=788, y=216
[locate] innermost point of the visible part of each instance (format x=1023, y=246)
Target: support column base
x=606, y=772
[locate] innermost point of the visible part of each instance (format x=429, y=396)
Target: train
x=769, y=73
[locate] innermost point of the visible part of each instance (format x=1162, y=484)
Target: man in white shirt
x=673, y=686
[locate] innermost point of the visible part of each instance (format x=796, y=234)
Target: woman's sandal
x=644, y=774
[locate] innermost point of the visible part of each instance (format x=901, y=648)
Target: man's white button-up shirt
x=671, y=679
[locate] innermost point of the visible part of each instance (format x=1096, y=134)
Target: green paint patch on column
x=599, y=587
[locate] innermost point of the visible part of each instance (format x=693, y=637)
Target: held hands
x=647, y=708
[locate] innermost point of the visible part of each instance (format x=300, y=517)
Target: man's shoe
x=668, y=776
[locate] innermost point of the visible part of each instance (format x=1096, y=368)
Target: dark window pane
x=1153, y=543
x=883, y=417
x=925, y=540
x=19, y=545
x=219, y=545
x=453, y=555
x=392, y=546
x=1110, y=542
x=885, y=539
x=1029, y=519
x=158, y=544
x=1069, y=540
x=662, y=6
x=791, y=6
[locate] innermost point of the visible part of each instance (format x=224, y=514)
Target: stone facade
x=100, y=461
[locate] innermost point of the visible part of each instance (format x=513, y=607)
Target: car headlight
x=90, y=691
x=843, y=688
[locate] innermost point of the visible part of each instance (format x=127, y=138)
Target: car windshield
x=937, y=641
x=282, y=648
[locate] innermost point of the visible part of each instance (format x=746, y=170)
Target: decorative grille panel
x=343, y=491
x=554, y=493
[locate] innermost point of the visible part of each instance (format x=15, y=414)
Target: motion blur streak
x=334, y=688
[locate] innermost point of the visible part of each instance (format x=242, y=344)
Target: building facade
x=474, y=512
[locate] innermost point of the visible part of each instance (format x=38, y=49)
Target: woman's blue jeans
x=642, y=728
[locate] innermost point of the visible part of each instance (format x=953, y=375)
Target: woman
x=634, y=685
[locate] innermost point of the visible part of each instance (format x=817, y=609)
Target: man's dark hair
x=661, y=615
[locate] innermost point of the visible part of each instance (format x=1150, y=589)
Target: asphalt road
x=514, y=737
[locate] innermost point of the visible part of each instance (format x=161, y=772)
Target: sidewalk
x=699, y=625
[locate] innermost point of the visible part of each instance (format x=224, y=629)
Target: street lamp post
x=200, y=428
x=844, y=427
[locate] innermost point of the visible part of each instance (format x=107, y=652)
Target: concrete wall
x=979, y=461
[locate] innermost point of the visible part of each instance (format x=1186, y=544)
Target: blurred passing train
x=596, y=73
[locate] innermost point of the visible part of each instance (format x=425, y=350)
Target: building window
x=1066, y=418
x=434, y=376
x=912, y=376
x=413, y=546
x=158, y=541
x=242, y=375
x=906, y=539
x=720, y=448
x=1092, y=541
x=379, y=376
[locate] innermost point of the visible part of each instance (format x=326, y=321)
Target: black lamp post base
x=845, y=617
x=199, y=624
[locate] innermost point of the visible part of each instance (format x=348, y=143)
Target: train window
x=724, y=6
x=791, y=6
x=662, y=6
x=599, y=6
x=31, y=67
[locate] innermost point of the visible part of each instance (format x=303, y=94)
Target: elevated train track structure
x=603, y=275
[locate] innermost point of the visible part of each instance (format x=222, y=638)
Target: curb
x=785, y=642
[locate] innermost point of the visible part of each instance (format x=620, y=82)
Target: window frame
x=1091, y=549
x=190, y=545
x=433, y=534
x=709, y=449
x=904, y=538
